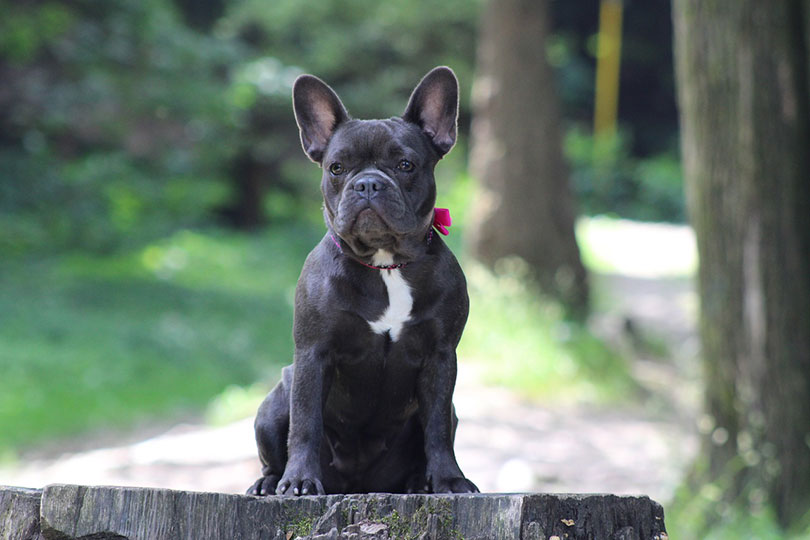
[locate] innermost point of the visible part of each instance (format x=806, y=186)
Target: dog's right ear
x=318, y=112
x=434, y=107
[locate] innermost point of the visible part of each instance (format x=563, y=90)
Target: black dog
x=379, y=309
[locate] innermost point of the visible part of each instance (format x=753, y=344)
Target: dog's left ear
x=319, y=112
x=434, y=107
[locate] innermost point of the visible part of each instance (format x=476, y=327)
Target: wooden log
x=105, y=513
x=19, y=513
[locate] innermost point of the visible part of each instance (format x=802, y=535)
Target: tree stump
x=19, y=513
x=65, y=512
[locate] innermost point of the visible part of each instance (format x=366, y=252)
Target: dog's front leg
x=435, y=395
x=302, y=475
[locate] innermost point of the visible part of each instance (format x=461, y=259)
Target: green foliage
x=523, y=341
x=413, y=527
x=299, y=527
x=119, y=129
x=102, y=341
x=369, y=51
x=727, y=506
x=703, y=514
x=122, y=123
x=608, y=180
x=99, y=201
x=372, y=53
x=23, y=32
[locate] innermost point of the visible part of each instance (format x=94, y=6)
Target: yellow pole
x=608, y=58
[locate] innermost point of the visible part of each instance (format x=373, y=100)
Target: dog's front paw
x=266, y=485
x=457, y=484
x=299, y=484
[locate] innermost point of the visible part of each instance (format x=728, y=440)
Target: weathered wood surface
x=72, y=512
x=19, y=513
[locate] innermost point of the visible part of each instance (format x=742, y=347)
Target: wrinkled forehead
x=367, y=140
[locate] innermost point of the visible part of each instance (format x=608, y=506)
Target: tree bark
x=82, y=512
x=524, y=207
x=742, y=70
x=19, y=513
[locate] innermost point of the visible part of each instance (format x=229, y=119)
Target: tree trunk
x=525, y=206
x=742, y=68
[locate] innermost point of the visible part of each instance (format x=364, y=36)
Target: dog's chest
x=400, y=300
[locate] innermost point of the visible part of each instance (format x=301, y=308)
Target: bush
x=116, y=125
x=100, y=201
x=522, y=340
x=120, y=122
x=608, y=180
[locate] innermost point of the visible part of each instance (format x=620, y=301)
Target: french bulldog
x=366, y=405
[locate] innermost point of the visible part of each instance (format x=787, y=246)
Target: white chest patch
x=400, y=300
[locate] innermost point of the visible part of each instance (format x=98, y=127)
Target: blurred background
x=156, y=209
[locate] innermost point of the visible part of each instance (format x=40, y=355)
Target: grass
x=105, y=341
x=522, y=341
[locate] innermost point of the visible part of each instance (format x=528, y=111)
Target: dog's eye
x=405, y=165
x=336, y=168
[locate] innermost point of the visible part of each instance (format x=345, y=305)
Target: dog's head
x=378, y=184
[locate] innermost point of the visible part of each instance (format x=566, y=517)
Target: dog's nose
x=368, y=186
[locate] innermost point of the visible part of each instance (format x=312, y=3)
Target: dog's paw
x=266, y=485
x=457, y=484
x=417, y=483
x=299, y=485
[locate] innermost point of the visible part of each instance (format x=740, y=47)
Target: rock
x=71, y=512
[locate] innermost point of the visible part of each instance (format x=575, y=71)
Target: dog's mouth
x=362, y=218
x=368, y=220
x=368, y=225
x=365, y=230
x=370, y=228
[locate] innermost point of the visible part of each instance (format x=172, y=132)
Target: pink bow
x=441, y=220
